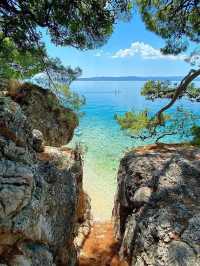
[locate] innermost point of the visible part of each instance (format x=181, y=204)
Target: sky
x=131, y=51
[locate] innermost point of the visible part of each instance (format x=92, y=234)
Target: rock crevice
x=40, y=187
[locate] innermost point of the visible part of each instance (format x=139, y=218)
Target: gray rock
x=39, y=195
x=38, y=140
x=181, y=253
x=84, y=220
x=56, y=122
x=157, y=206
x=142, y=195
x=33, y=255
x=20, y=260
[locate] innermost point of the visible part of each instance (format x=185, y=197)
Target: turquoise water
x=105, y=142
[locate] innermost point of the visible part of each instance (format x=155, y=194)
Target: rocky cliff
x=157, y=206
x=43, y=109
x=40, y=186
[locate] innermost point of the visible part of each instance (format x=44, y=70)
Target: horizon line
x=142, y=78
x=132, y=76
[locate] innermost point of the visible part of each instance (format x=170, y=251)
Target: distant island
x=133, y=78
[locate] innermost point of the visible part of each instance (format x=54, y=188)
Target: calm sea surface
x=102, y=137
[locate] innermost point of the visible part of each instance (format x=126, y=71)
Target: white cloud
x=146, y=51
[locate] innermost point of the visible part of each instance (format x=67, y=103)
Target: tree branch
x=164, y=135
x=180, y=89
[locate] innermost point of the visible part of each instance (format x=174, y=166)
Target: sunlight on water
x=99, y=132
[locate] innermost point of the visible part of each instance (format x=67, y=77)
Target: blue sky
x=131, y=50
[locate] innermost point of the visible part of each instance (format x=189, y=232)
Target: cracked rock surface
x=46, y=114
x=39, y=194
x=157, y=206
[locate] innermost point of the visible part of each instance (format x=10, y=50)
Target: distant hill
x=132, y=78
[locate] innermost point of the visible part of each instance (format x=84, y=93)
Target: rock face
x=157, y=206
x=84, y=220
x=39, y=194
x=45, y=113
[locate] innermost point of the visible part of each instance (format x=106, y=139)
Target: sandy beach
x=100, y=192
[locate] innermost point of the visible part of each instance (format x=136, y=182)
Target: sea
x=103, y=142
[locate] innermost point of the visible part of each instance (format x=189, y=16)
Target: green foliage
x=175, y=21
x=19, y=64
x=144, y=126
x=81, y=24
x=164, y=89
x=72, y=74
x=66, y=97
x=157, y=89
x=193, y=92
x=52, y=104
x=196, y=135
x=70, y=118
x=56, y=74
x=70, y=98
x=135, y=122
x=61, y=79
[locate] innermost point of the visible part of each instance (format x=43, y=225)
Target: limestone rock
x=42, y=107
x=157, y=206
x=39, y=195
x=15, y=127
x=84, y=220
x=38, y=140
x=17, y=159
x=142, y=195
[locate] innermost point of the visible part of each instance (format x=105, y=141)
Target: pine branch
x=179, y=91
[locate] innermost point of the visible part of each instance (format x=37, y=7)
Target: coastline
x=100, y=193
x=103, y=143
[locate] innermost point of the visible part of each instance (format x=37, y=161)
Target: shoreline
x=101, y=194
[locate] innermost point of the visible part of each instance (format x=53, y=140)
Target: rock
x=34, y=255
x=180, y=253
x=38, y=140
x=157, y=206
x=142, y=195
x=39, y=195
x=20, y=260
x=17, y=159
x=84, y=220
x=56, y=122
x=14, y=126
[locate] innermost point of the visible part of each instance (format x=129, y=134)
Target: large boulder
x=39, y=195
x=45, y=113
x=157, y=206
